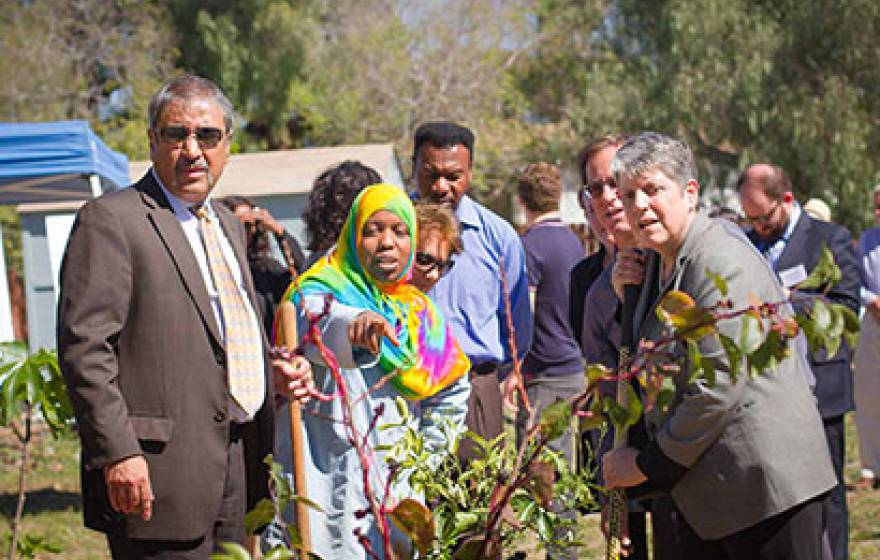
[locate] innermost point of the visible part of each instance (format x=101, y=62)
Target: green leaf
x=296, y=498
x=719, y=282
x=821, y=315
x=279, y=553
x=824, y=275
x=544, y=527
x=734, y=355
x=767, y=356
x=595, y=372
x=751, y=333
x=261, y=515
x=465, y=521
x=232, y=551
x=555, y=419
x=402, y=408
x=624, y=416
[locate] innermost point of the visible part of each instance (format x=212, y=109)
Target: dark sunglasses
x=596, y=187
x=206, y=136
x=427, y=262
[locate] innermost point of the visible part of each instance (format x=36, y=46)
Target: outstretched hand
x=368, y=329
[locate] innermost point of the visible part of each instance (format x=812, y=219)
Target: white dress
x=333, y=471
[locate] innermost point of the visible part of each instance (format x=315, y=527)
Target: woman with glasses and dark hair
x=439, y=240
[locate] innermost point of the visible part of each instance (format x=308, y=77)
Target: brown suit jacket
x=140, y=351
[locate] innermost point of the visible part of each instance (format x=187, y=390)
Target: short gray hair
x=651, y=150
x=189, y=86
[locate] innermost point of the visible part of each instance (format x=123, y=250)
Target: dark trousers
x=836, y=514
x=229, y=526
x=665, y=522
x=483, y=412
x=795, y=534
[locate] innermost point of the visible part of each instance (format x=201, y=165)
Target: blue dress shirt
x=471, y=294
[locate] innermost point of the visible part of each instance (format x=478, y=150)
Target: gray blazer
x=745, y=451
x=141, y=355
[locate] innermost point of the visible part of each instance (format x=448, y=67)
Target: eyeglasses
x=427, y=262
x=763, y=219
x=206, y=136
x=596, y=187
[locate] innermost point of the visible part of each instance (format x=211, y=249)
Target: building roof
x=291, y=171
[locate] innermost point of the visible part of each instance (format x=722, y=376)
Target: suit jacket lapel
x=168, y=228
x=792, y=254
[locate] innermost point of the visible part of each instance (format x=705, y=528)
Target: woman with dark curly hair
x=330, y=201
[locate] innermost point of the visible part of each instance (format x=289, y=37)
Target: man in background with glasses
x=161, y=348
x=601, y=335
x=792, y=242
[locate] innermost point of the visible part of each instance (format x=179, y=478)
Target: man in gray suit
x=745, y=461
x=160, y=346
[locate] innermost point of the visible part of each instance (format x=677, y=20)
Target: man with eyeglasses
x=600, y=330
x=471, y=295
x=161, y=348
x=792, y=242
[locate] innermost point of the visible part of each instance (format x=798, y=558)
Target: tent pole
x=95, y=184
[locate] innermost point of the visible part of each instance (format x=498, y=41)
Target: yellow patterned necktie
x=247, y=384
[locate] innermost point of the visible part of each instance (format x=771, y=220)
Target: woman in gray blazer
x=745, y=461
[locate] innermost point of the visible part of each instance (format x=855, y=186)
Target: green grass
x=53, y=510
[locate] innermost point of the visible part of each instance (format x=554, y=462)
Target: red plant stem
x=520, y=386
x=354, y=437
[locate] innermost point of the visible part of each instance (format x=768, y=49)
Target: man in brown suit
x=143, y=332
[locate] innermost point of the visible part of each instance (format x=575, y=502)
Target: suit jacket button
x=220, y=416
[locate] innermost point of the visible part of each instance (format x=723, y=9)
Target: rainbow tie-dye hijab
x=428, y=357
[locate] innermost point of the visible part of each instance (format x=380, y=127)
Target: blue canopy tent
x=48, y=170
x=56, y=161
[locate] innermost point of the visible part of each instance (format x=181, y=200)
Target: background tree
x=742, y=80
x=85, y=59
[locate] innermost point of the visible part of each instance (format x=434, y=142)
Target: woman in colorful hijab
x=390, y=341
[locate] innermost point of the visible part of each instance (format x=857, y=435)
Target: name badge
x=792, y=276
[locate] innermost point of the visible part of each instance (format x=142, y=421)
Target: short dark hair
x=540, y=187
x=444, y=134
x=774, y=183
x=330, y=200
x=189, y=86
x=591, y=149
